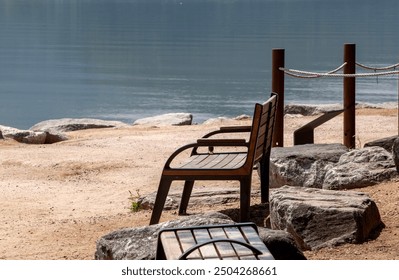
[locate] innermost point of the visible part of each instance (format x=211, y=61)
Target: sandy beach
x=58, y=199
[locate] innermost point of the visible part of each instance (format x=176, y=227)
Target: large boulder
x=68, y=124
x=360, y=168
x=322, y=218
x=303, y=165
x=140, y=243
x=166, y=119
x=330, y=166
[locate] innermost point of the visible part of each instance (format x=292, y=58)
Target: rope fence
x=333, y=73
x=346, y=71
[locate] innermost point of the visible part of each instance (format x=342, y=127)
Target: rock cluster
x=330, y=166
x=140, y=243
x=52, y=131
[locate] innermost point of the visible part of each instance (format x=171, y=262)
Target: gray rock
x=395, y=153
x=385, y=143
x=54, y=137
x=303, y=165
x=360, y=168
x=323, y=218
x=315, y=109
x=309, y=109
x=209, y=196
x=1, y=135
x=140, y=243
x=281, y=244
x=166, y=119
x=68, y=124
x=23, y=136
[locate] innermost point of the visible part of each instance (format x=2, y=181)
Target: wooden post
x=278, y=87
x=349, y=96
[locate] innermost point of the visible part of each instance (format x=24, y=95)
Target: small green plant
x=135, y=204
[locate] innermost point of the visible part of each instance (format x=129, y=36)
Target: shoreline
x=306, y=109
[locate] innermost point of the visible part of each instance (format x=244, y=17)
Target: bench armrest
x=229, y=129
x=225, y=129
x=221, y=142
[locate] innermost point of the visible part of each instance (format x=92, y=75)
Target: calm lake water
x=127, y=59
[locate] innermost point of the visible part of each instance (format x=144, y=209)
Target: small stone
x=166, y=119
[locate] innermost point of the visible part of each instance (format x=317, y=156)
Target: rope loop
x=333, y=73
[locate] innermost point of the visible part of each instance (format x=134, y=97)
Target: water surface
x=127, y=59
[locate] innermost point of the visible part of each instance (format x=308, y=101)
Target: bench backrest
x=262, y=130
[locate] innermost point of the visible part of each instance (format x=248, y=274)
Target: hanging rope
x=312, y=75
x=394, y=66
x=309, y=75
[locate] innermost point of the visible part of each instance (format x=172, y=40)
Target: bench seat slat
x=207, y=251
x=244, y=253
x=252, y=236
x=170, y=245
x=186, y=240
x=225, y=249
x=219, y=161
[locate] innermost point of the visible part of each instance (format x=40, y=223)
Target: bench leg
x=188, y=187
x=163, y=190
x=264, y=166
x=245, y=198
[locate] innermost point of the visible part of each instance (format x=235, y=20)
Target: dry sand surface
x=57, y=200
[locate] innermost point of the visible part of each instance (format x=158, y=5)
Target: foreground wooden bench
x=227, y=242
x=222, y=165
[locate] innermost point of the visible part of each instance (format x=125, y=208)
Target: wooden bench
x=222, y=165
x=227, y=242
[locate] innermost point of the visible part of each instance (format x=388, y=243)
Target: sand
x=57, y=200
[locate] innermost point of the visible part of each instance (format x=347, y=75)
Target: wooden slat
x=216, y=162
x=219, y=161
x=252, y=237
x=186, y=240
x=194, y=160
x=207, y=251
x=237, y=162
x=228, y=158
x=200, y=163
x=242, y=252
x=170, y=245
x=225, y=249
